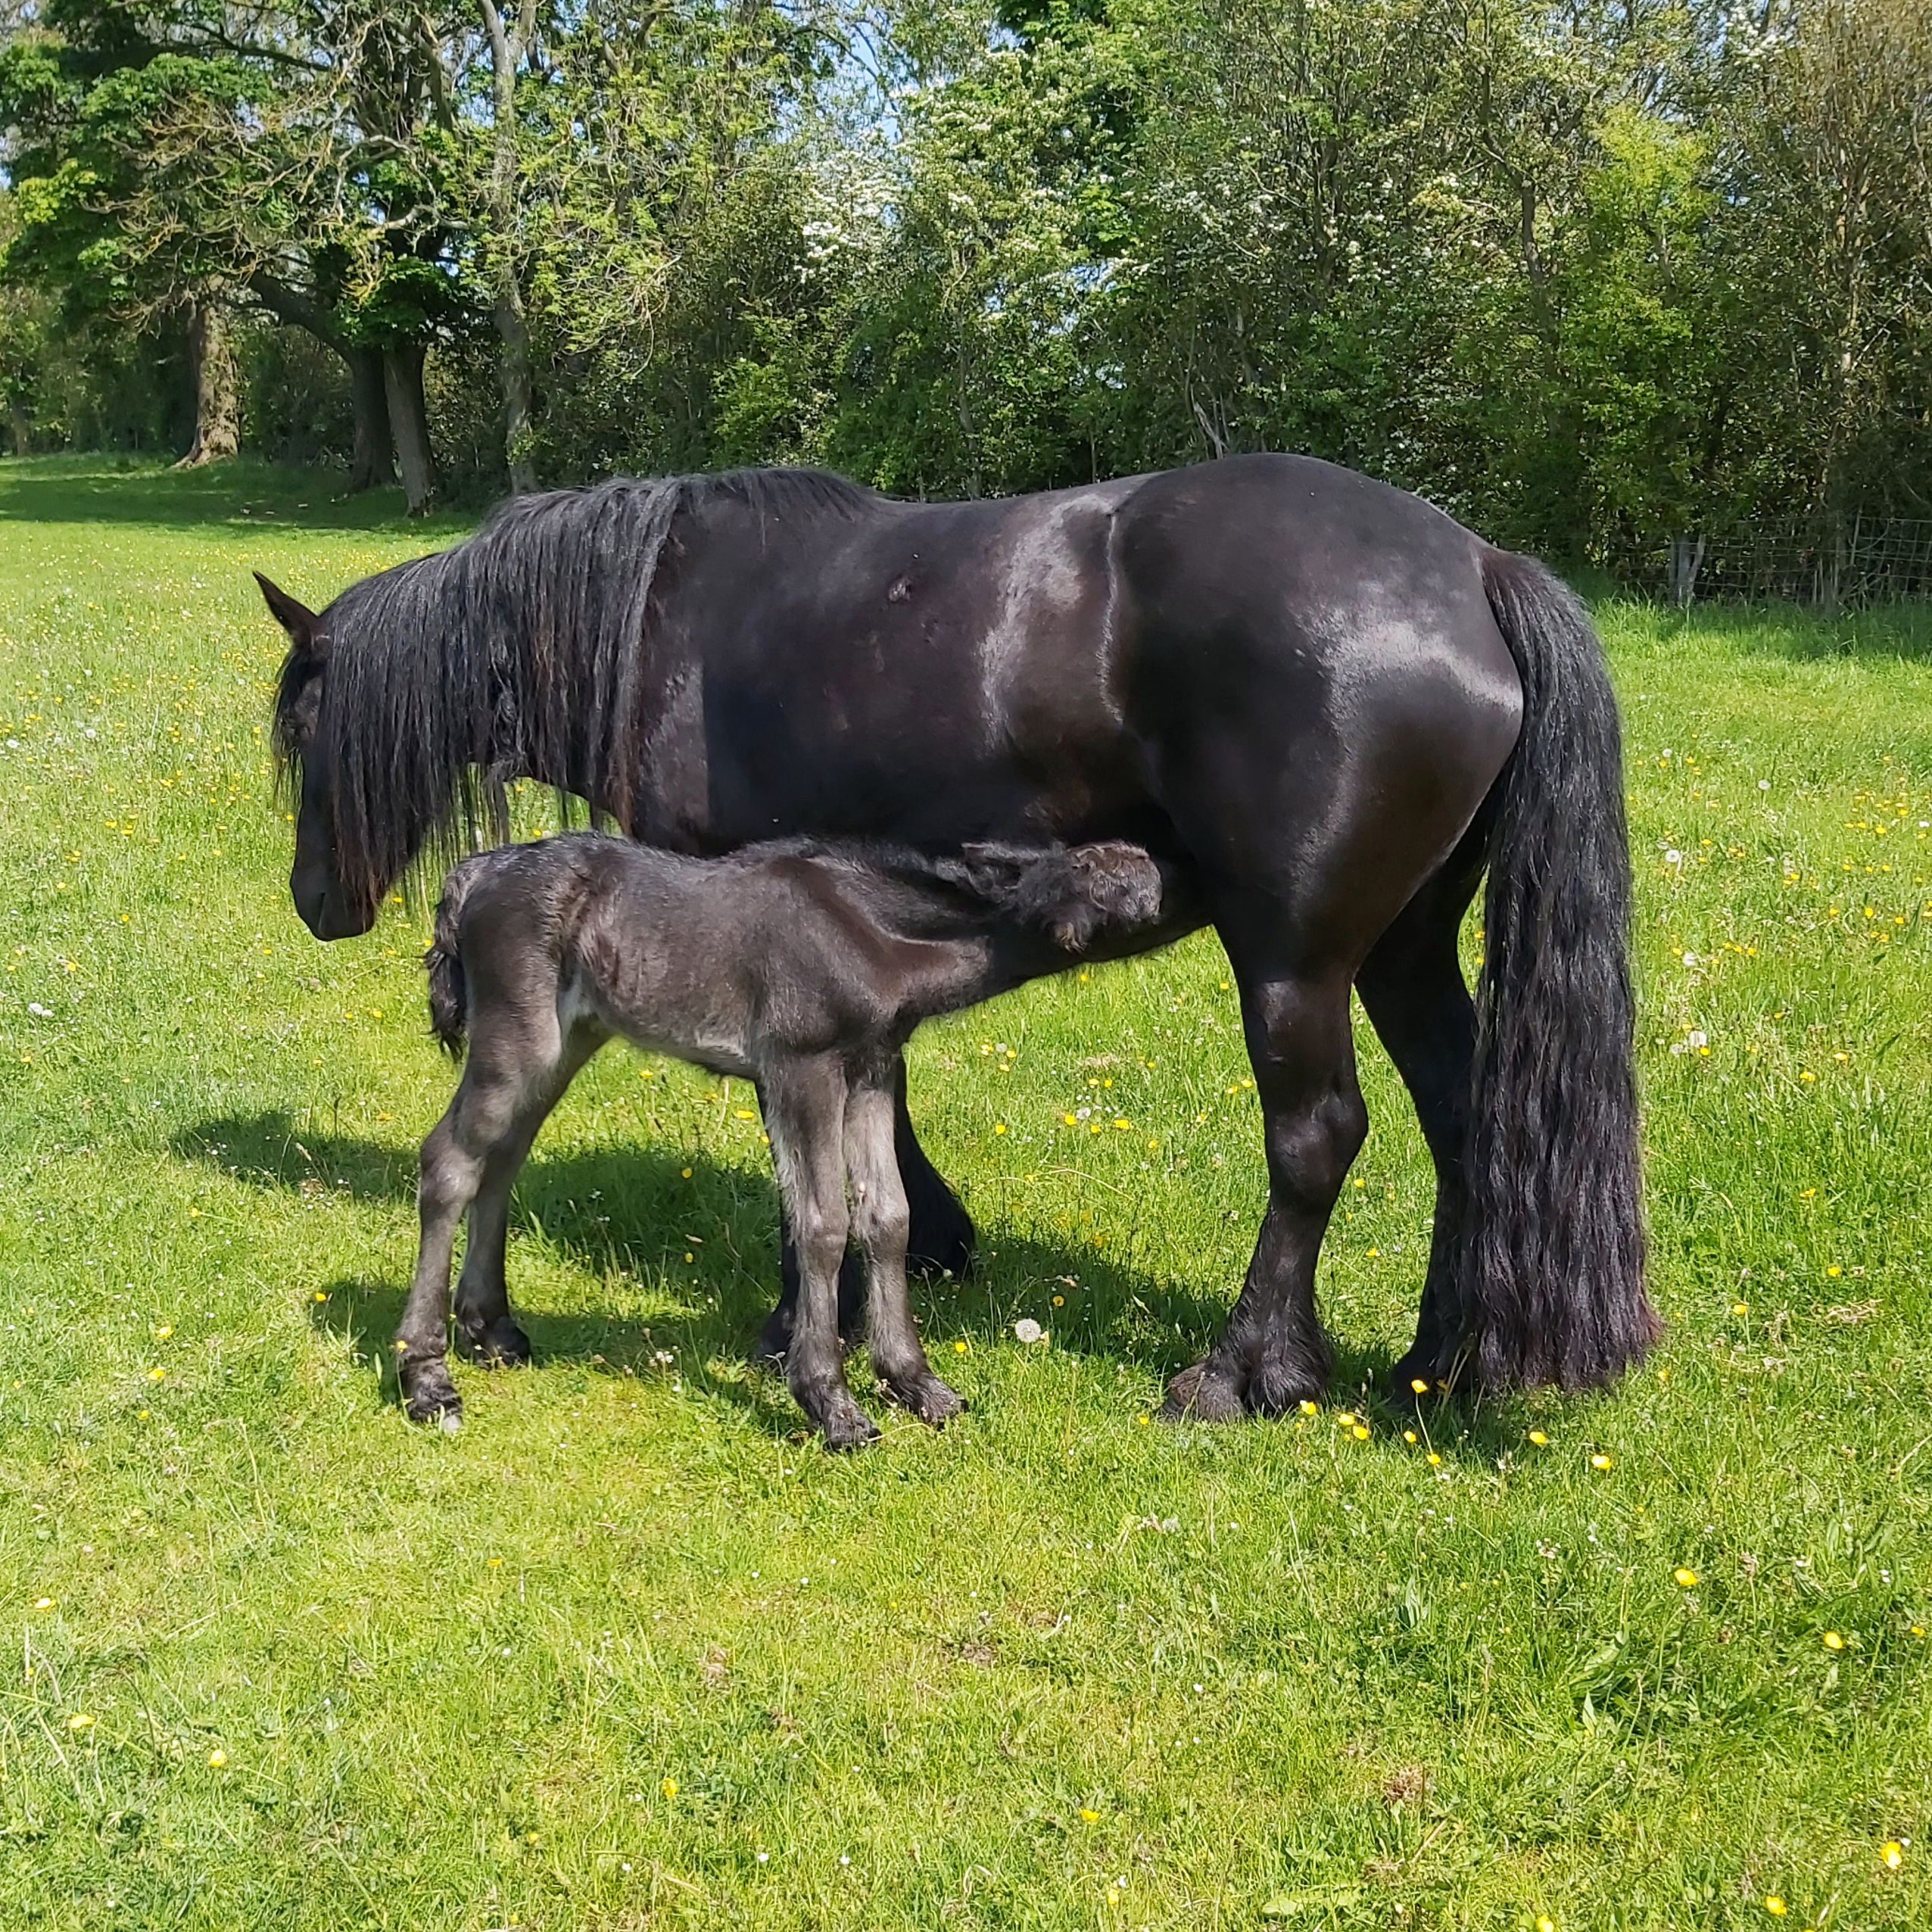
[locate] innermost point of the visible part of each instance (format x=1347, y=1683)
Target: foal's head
x=1075, y=892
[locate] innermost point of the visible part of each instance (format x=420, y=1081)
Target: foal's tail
x=449, y=989
x=1550, y=1260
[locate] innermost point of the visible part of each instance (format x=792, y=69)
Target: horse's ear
x=301, y=623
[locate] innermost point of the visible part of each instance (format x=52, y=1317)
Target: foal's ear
x=303, y=625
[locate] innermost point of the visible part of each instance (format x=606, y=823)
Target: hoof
x=773, y=1339
x=502, y=1345
x=1399, y=1390
x=1203, y=1395
x=1275, y=1387
x=430, y=1396
x=925, y=1397
x=849, y=1427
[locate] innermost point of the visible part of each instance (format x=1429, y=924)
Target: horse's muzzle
x=324, y=911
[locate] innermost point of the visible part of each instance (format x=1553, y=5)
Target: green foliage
x=1594, y=279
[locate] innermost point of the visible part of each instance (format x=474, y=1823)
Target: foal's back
x=795, y=948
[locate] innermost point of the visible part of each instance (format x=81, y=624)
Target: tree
x=294, y=158
x=511, y=40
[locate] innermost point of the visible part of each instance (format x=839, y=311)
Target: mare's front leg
x=1273, y=1353
x=939, y=1236
x=880, y=1220
x=805, y=1102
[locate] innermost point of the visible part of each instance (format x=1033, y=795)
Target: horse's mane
x=521, y=649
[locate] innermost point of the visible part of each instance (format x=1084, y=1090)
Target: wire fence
x=1878, y=560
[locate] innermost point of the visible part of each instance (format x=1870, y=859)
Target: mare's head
x=406, y=704
x=378, y=739
x=329, y=908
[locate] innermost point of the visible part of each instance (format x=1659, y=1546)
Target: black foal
x=803, y=966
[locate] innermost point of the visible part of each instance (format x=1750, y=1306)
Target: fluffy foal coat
x=801, y=966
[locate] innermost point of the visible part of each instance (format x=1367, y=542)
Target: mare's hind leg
x=1273, y=1353
x=485, y=1329
x=805, y=1102
x=1412, y=986
x=775, y=1337
x=879, y=1224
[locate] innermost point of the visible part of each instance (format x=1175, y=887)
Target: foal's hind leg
x=1412, y=986
x=804, y=1103
x=1273, y=1352
x=879, y=1224
x=474, y=1144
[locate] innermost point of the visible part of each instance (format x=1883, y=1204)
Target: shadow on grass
x=687, y=1343
x=242, y=494
x=634, y=1212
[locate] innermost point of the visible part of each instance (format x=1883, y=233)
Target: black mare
x=801, y=965
x=1327, y=708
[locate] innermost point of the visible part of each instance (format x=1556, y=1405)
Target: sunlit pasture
x=630, y=1650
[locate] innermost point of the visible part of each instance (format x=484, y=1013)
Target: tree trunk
x=23, y=426
x=217, y=400
x=408, y=418
x=513, y=371
x=509, y=42
x=1687, y=559
x=373, y=463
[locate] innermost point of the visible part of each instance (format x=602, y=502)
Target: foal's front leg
x=485, y=1327
x=940, y=1237
x=880, y=1222
x=805, y=1102
x=449, y=1177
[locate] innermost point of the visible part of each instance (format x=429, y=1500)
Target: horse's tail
x=1550, y=1260
x=449, y=988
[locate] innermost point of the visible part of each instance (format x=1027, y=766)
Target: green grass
x=630, y=1651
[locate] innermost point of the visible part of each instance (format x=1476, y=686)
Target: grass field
x=629, y=1651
